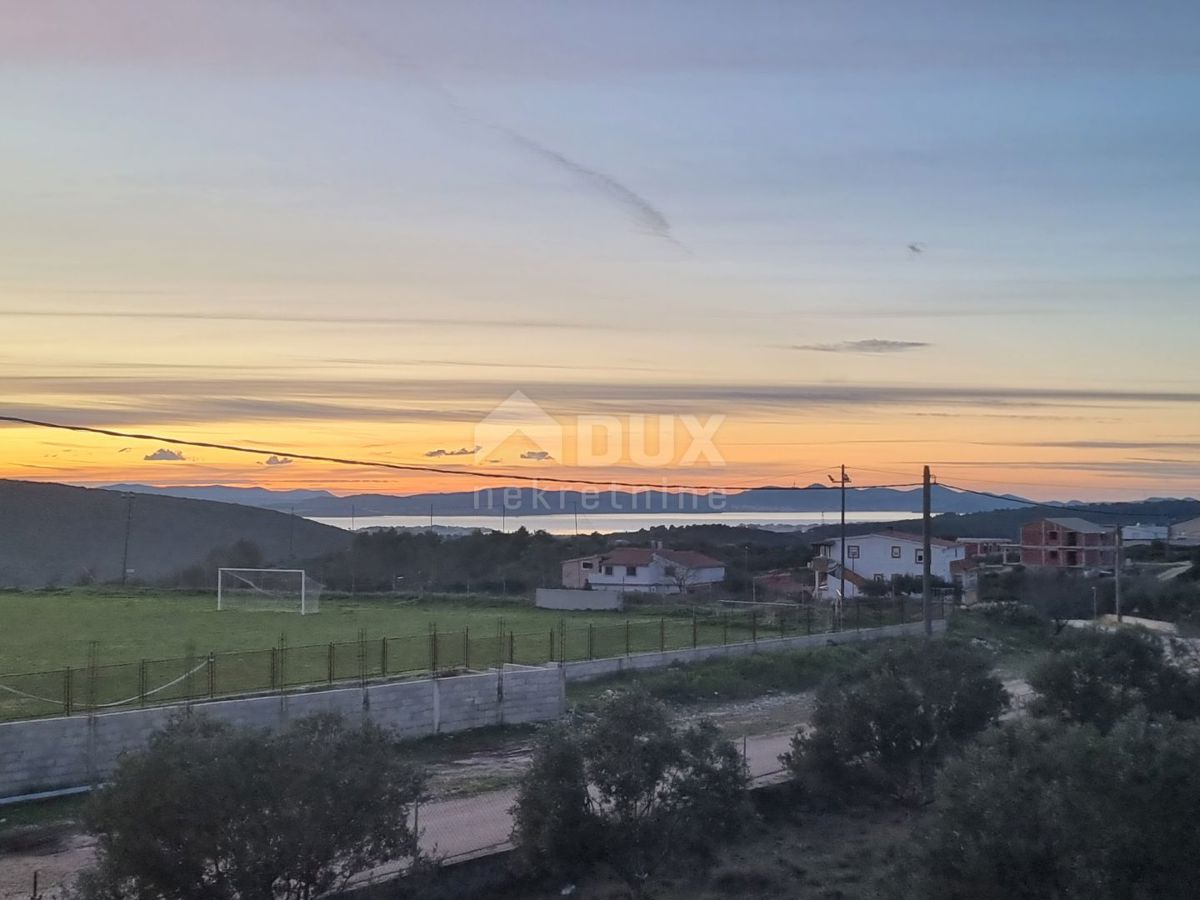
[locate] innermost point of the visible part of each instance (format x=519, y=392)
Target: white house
x=649, y=569
x=1186, y=534
x=882, y=556
x=1144, y=534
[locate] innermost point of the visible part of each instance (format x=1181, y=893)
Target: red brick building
x=1068, y=543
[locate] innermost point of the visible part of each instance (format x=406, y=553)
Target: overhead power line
x=417, y=467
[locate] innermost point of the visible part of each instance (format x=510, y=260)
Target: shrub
x=1096, y=677
x=884, y=727
x=1046, y=809
x=630, y=790
x=211, y=811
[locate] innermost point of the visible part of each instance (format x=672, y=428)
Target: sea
x=606, y=523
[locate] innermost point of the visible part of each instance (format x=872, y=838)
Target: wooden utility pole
x=1117, y=576
x=128, y=527
x=926, y=553
x=843, y=481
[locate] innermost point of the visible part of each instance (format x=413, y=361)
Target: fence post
x=274, y=668
x=67, y=691
x=695, y=632
x=754, y=625
x=433, y=660
x=332, y=651
x=662, y=635
x=725, y=629
x=551, y=657
x=212, y=674
x=383, y=660
x=626, y=637
x=808, y=618
x=512, y=648
x=857, y=613
x=591, y=641
x=466, y=647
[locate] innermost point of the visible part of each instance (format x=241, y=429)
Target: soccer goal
x=278, y=590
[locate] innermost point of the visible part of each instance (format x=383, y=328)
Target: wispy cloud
x=461, y=451
x=539, y=455
x=278, y=461
x=873, y=345
x=162, y=454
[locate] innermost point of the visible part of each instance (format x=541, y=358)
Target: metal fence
x=94, y=688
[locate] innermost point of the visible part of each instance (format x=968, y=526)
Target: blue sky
x=661, y=194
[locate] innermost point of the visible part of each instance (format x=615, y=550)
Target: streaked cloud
x=461, y=451
x=873, y=345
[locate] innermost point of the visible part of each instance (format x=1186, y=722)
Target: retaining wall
x=46, y=754
x=598, y=668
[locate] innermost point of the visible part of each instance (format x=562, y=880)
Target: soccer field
x=43, y=631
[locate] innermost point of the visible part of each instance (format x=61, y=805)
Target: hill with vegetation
x=54, y=534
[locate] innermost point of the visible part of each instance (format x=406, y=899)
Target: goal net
x=279, y=590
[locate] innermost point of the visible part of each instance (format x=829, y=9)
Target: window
x=631, y=570
x=879, y=578
x=586, y=565
x=608, y=570
x=895, y=552
x=919, y=554
x=852, y=551
x=669, y=571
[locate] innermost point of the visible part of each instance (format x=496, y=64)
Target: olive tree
x=884, y=726
x=1046, y=809
x=1096, y=677
x=212, y=812
x=630, y=790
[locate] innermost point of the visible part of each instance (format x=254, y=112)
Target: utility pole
x=292, y=533
x=128, y=528
x=431, y=517
x=1117, y=576
x=353, y=566
x=843, y=481
x=575, y=509
x=926, y=553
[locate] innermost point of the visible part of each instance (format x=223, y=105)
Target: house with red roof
x=649, y=569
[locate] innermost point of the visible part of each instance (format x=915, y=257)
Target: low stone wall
x=47, y=754
x=567, y=598
x=599, y=668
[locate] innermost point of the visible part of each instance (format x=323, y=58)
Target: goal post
x=276, y=590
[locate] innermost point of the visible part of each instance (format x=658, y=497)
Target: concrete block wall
x=46, y=754
x=598, y=668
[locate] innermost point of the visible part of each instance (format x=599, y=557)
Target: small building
x=1144, y=534
x=1186, y=534
x=647, y=569
x=1068, y=543
x=882, y=556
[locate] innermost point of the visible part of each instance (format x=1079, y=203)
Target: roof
x=643, y=556
x=1080, y=525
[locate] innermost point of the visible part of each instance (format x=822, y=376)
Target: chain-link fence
x=102, y=688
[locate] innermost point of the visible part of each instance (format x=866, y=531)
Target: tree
x=631, y=790
x=211, y=812
x=884, y=726
x=1096, y=677
x=1045, y=809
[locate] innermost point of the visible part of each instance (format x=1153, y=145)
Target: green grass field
x=48, y=630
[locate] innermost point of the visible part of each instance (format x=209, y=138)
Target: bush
x=1051, y=810
x=631, y=791
x=211, y=811
x=1096, y=677
x=884, y=727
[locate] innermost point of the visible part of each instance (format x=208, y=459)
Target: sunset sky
x=356, y=228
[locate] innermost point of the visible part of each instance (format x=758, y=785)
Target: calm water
x=565, y=523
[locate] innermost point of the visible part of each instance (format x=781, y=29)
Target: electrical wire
x=416, y=467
